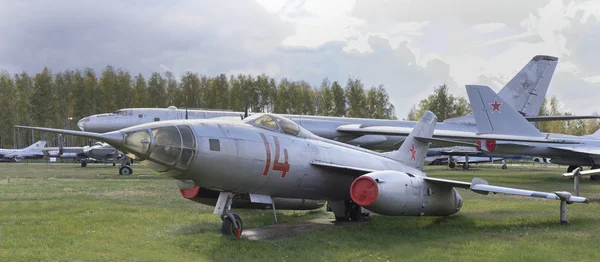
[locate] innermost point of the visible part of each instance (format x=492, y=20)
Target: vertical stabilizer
x=527, y=89
x=37, y=145
x=413, y=151
x=493, y=115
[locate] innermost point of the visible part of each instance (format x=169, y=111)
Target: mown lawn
x=64, y=212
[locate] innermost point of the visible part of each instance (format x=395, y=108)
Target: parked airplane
x=31, y=152
x=99, y=151
x=495, y=117
x=266, y=156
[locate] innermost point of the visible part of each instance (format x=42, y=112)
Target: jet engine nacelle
x=400, y=194
x=209, y=197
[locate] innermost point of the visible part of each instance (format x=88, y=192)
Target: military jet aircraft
x=267, y=156
x=31, y=152
x=494, y=116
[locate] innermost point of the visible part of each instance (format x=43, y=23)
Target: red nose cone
x=364, y=191
x=190, y=193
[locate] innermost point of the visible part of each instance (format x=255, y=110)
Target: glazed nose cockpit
x=169, y=146
x=82, y=122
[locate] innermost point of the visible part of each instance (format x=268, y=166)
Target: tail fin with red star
x=494, y=116
x=413, y=150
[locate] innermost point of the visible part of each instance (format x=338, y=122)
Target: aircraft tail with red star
x=414, y=148
x=493, y=115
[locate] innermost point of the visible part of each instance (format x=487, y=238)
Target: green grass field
x=64, y=212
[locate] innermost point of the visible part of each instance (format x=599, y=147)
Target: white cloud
x=409, y=46
x=489, y=27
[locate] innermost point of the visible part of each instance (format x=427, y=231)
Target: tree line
x=60, y=99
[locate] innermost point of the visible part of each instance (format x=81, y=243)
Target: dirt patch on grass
x=293, y=229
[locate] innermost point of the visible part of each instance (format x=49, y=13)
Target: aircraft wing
x=558, y=118
x=353, y=171
x=76, y=150
x=477, y=185
x=586, y=150
x=446, y=135
x=481, y=186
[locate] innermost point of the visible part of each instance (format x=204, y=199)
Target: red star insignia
x=413, y=152
x=496, y=106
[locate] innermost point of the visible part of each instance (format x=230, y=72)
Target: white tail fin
x=527, y=89
x=37, y=145
x=494, y=116
x=413, y=151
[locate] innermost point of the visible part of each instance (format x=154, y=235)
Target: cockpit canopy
x=123, y=113
x=275, y=123
x=172, y=146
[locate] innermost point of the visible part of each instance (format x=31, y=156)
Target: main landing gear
x=347, y=211
x=125, y=168
x=232, y=224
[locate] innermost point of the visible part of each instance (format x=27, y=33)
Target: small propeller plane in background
x=267, y=157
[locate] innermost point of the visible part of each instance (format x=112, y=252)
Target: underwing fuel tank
x=209, y=197
x=396, y=193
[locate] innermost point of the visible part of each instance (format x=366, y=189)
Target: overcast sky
x=409, y=46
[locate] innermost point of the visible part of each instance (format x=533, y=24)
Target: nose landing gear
x=232, y=223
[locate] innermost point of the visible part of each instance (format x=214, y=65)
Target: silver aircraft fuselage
x=325, y=127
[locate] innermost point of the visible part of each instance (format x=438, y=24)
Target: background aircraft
x=281, y=159
x=31, y=152
x=525, y=91
x=99, y=152
x=494, y=116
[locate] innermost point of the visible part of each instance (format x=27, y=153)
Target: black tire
x=125, y=170
x=341, y=219
x=465, y=165
x=504, y=166
x=571, y=168
x=83, y=164
x=228, y=228
x=452, y=165
x=114, y=164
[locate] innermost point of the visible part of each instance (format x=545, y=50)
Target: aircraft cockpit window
x=186, y=156
x=267, y=122
x=187, y=136
x=167, y=143
x=166, y=136
x=123, y=113
x=287, y=126
x=138, y=141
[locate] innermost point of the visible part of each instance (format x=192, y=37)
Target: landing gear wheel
x=83, y=164
x=452, y=165
x=571, y=168
x=125, y=170
x=114, y=164
x=228, y=227
x=465, y=165
x=504, y=166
